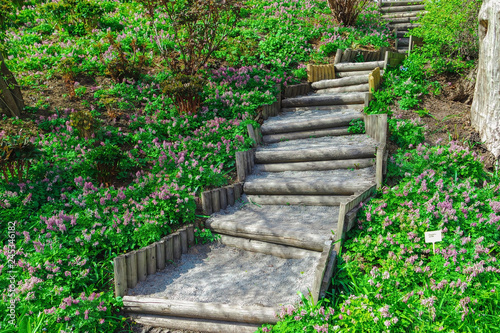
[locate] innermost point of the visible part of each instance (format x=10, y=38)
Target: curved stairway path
x=309, y=177
x=402, y=16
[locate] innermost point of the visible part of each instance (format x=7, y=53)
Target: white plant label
x=433, y=236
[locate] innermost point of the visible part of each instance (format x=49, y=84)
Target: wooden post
x=223, y=198
x=238, y=191
x=310, y=77
x=338, y=56
x=169, y=249
x=258, y=134
x=230, y=195
x=190, y=235
x=177, y=246
x=206, y=202
x=151, y=258
x=216, y=200
x=142, y=264
x=248, y=163
x=240, y=166
x=120, y=276
x=386, y=59
x=160, y=255
x=251, y=134
x=368, y=98
x=380, y=165
x=184, y=241
x=382, y=125
x=131, y=259
x=339, y=235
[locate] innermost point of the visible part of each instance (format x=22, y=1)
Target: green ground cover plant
x=121, y=167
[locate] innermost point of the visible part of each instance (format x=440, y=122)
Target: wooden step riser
x=302, y=200
x=304, y=188
x=358, y=66
x=404, y=26
x=201, y=325
x=340, y=99
x=357, y=73
x=323, y=108
x=409, y=14
x=306, y=241
x=386, y=4
x=252, y=245
x=357, y=88
x=307, y=155
x=273, y=138
x=403, y=20
x=342, y=82
x=196, y=310
x=327, y=122
x=316, y=166
x=398, y=9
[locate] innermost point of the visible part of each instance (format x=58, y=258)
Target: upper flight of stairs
x=402, y=16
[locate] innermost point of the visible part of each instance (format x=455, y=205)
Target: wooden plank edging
x=189, y=309
x=135, y=266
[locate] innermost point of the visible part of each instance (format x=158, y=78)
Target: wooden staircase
x=303, y=187
x=402, y=16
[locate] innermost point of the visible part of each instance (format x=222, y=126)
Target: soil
x=449, y=119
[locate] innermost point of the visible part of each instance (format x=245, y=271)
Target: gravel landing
x=315, y=221
x=363, y=175
x=222, y=274
x=323, y=142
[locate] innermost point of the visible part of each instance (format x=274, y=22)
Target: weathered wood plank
x=178, y=323
x=120, y=275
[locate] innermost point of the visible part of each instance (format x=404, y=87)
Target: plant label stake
x=433, y=237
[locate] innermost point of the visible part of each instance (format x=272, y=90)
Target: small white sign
x=433, y=236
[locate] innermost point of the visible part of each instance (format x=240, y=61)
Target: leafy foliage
x=450, y=35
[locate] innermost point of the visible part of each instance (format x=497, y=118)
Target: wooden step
x=284, y=225
x=401, y=34
x=407, y=19
x=404, y=26
x=400, y=3
x=304, y=200
x=311, y=186
x=316, y=165
x=293, y=123
x=323, y=108
x=269, y=156
x=342, y=82
x=355, y=73
x=201, y=325
x=358, y=66
x=272, y=138
x=337, y=99
x=252, y=245
x=196, y=310
x=409, y=14
x=355, y=88
x=396, y=9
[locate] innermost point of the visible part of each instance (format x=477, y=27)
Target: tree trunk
x=11, y=98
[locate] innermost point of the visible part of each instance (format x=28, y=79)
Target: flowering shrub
x=390, y=279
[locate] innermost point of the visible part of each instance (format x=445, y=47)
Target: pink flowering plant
x=389, y=279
